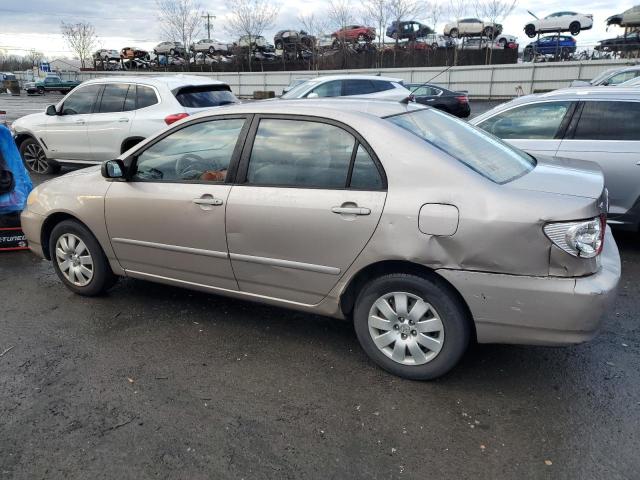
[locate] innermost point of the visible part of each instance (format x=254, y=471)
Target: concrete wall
x=481, y=81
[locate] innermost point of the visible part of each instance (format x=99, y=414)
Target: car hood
x=563, y=176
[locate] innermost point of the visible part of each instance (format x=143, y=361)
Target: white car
x=438, y=41
x=610, y=77
x=472, y=27
x=106, y=55
x=354, y=86
x=571, y=22
x=210, y=45
x=479, y=44
x=102, y=118
x=505, y=39
x=169, y=48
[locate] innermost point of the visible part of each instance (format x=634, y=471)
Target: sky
x=35, y=24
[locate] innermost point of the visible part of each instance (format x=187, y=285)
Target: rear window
x=484, y=153
x=202, y=96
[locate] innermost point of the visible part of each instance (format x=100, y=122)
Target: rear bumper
x=539, y=310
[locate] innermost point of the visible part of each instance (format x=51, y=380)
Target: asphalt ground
x=152, y=381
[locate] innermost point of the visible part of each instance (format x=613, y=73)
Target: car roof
x=569, y=94
x=170, y=81
x=338, y=108
x=324, y=78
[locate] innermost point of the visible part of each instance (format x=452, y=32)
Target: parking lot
x=156, y=381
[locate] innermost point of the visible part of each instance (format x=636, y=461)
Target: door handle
x=351, y=210
x=80, y=122
x=123, y=120
x=638, y=163
x=207, y=201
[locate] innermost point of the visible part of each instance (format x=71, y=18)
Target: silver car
x=593, y=123
x=422, y=229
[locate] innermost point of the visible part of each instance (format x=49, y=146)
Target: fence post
x=493, y=69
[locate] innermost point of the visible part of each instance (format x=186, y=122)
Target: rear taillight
x=462, y=99
x=584, y=239
x=174, y=117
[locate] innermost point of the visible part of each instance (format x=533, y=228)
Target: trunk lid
x=563, y=176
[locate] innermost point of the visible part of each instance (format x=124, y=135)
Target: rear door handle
x=351, y=210
x=80, y=122
x=207, y=201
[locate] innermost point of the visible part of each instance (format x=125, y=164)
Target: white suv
x=102, y=118
x=355, y=86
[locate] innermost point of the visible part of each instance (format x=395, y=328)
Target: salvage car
x=131, y=53
x=571, y=22
x=104, y=55
x=366, y=86
x=293, y=38
x=169, y=48
x=410, y=30
x=104, y=117
x=211, y=46
x=472, y=27
x=628, y=18
x=560, y=45
x=623, y=43
x=354, y=33
x=455, y=103
x=601, y=125
x=424, y=231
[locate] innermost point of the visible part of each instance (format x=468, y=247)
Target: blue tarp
x=16, y=200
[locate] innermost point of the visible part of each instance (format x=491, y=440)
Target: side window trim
x=566, y=121
x=240, y=175
x=131, y=161
x=577, y=114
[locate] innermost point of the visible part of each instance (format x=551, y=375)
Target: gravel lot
x=153, y=381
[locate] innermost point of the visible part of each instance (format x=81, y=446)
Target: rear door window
x=358, y=87
x=294, y=153
x=203, y=96
x=609, y=121
x=533, y=121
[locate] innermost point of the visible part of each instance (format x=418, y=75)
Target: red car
x=355, y=33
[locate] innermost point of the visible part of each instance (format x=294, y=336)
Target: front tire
x=79, y=260
x=453, y=33
x=35, y=159
x=412, y=326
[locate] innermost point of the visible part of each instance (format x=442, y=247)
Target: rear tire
x=530, y=30
x=79, y=260
x=420, y=344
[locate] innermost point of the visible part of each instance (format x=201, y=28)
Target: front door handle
x=351, y=210
x=80, y=122
x=123, y=120
x=638, y=163
x=207, y=201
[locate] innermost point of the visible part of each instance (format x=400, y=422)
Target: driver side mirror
x=113, y=169
x=51, y=111
x=313, y=95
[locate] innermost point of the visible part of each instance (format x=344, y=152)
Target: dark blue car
x=561, y=45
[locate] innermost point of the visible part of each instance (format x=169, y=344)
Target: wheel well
x=360, y=279
x=21, y=137
x=48, y=226
x=130, y=142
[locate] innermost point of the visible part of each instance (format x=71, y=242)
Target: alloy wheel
x=406, y=328
x=35, y=158
x=74, y=259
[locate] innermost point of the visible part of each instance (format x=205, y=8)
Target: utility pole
x=209, y=17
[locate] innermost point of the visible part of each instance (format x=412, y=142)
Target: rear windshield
x=477, y=149
x=203, y=96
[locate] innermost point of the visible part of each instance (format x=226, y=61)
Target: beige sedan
x=422, y=229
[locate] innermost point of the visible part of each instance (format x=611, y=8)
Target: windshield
x=205, y=96
x=478, y=150
x=597, y=80
x=296, y=91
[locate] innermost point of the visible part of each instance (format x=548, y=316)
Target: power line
x=72, y=15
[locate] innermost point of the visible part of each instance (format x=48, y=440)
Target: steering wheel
x=192, y=166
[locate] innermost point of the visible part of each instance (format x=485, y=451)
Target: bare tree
x=340, y=14
x=180, y=21
x=315, y=25
x=34, y=57
x=401, y=10
x=250, y=18
x=434, y=11
x=377, y=12
x=494, y=11
x=81, y=38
